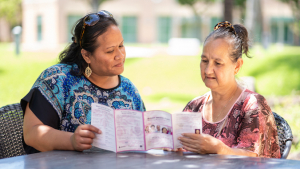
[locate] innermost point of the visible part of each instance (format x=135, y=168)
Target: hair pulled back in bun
x=236, y=35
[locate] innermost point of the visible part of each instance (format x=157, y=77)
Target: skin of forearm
x=45, y=138
x=225, y=150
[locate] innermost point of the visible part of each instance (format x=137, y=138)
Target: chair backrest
x=285, y=135
x=11, y=131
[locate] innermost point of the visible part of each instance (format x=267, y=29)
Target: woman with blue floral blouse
x=57, y=110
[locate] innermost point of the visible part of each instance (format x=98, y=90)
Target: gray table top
x=149, y=159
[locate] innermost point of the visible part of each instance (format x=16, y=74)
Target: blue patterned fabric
x=71, y=96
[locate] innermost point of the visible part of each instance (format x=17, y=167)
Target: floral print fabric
x=71, y=96
x=249, y=125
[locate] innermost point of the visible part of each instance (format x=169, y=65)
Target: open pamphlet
x=131, y=130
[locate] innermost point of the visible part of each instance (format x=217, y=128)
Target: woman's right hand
x=83, y=136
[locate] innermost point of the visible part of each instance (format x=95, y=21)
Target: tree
x=192, y=4
x=11, y=11
x=228, y=6
x=197, y=12
x=95, y=4
x=295, y=6
x=241, y=6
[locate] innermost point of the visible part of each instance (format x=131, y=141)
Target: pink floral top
x=249, y=125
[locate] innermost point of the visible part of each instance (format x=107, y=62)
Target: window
x=288, y=33
x=129, y=29
x=274, y=32
x=281, y=30
x=190, y=28
x=164, y=29
x=71, y=23
x=39, y=28
x=257, y=35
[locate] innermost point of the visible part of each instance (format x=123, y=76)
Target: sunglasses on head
x=92, y=19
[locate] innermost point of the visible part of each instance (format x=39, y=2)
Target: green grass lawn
x=277, y=70
x=161, y=79
x=167, y=82
x=18, y=73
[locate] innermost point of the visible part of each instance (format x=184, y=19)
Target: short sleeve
x=51, y=84
x=257, y=130
x=43, y=111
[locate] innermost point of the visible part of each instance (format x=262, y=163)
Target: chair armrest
x=288, y=145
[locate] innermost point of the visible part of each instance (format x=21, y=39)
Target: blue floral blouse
x=71, y=96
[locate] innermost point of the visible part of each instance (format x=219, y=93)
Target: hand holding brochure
x=131, y=130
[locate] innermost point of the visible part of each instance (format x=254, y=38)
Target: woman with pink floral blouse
x=236, y=121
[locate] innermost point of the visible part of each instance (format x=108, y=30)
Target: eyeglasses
x=92, y=19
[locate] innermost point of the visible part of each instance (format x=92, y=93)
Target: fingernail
x=99, y=131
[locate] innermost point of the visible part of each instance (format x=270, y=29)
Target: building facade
x=47, y=23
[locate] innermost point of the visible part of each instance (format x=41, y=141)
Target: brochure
x=131, y=130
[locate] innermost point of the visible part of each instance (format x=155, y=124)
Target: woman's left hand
x=201, y=143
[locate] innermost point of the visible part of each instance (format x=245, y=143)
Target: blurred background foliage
x=11, y=11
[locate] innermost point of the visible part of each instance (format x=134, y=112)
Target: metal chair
x=11, y=131
x=285, y=135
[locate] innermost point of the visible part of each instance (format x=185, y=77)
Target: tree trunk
x=198, y=22
x=95, y=5
x=296, y=32
x=296, y=13
x=228, y=6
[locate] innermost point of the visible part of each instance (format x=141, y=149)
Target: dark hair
x=72, y=54
x=239, y=40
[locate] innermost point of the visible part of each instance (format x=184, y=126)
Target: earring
x=88, y=71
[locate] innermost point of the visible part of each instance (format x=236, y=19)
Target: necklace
x=226, y=104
